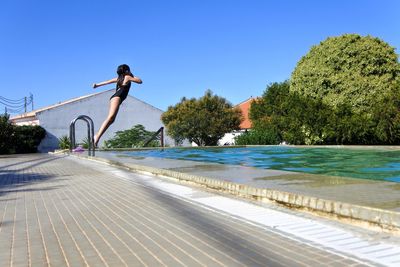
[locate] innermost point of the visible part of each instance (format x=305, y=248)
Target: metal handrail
x=89, y=122
x=161, y=132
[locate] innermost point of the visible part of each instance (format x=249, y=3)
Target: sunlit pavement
x=64, y=211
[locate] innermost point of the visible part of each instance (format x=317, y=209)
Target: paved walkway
x=58, y=211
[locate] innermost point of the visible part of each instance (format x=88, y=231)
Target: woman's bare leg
x=112, y=113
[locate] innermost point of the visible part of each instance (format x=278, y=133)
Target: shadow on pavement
x=10, y=182
x=226, y=235
x=12, y=179
x=42, y=159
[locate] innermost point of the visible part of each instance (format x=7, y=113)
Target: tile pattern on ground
x=55, y=211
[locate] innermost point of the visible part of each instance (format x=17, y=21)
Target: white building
x=56, y=119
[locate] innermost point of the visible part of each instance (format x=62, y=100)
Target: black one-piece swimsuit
x=122, y=91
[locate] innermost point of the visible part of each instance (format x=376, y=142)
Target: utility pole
x=25, y=103
x=31, y=100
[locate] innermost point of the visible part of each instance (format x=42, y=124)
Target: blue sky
x=57, y=49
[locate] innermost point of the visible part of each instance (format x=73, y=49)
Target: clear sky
x=57, y=49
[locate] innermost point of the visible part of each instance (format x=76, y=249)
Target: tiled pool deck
x=377, y=202
x=66, y=211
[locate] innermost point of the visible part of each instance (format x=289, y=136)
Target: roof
x=245, y=108
x=33, y=113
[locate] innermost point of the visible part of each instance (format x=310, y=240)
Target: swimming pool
x=377, y=164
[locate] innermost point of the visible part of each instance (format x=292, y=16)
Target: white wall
x=57, y=120
x=229, y=138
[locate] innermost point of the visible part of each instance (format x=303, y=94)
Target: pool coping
x=385, y=219
x=357, y=147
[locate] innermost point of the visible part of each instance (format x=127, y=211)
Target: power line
x=16, y=105
x=25, y=102
x=11, y=101
x=12, y=106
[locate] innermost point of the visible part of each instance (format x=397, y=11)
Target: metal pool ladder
x=89, y=123
x=159, y=132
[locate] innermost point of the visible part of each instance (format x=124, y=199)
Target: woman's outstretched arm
x=95, y=85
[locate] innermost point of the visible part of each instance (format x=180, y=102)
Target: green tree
x=348, y=70
x=134, y=137
x=203, y=121
x=353, y=83
x=344, y=91
x=267, y=114
x=6, y=134
x=280, y=115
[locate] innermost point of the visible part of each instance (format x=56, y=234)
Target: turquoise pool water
x=378, y=164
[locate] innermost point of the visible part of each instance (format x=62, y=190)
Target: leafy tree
x=386, y=119
x=203, y=121
x=276, y=117
x=280, y=115
x=344, y=91
x=355, y=82
x=134, y=137
x=272, y=101
x=6, y=134
x=348, y=70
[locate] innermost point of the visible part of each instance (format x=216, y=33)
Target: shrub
x=64, y=142
x=85, y=143
x=28, y=138
x=19, y=139
x=6, y=135
x=258, y=137
x=134, y=137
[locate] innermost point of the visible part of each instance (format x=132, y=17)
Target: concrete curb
x=383, y=218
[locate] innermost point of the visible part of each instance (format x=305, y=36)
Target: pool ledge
x=386, y=219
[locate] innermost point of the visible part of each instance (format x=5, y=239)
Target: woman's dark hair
x=122, y=71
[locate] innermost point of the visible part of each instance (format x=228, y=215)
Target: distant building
x=245, y=108
x=229, y=138
x=55, y=119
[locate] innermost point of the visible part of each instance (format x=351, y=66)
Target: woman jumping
x=124, y=79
